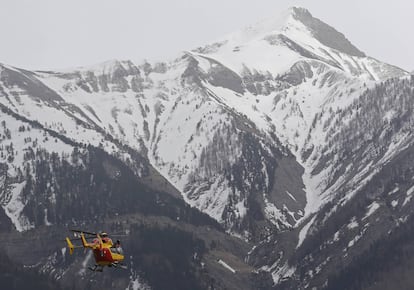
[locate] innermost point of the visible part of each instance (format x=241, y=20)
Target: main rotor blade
x=78, y=239
x=85, y=232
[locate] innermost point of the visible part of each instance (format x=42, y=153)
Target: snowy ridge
x=292, y=36
x=14, y=208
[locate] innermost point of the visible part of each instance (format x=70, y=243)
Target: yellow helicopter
x=105, y=252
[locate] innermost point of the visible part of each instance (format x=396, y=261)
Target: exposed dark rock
x=326, y=34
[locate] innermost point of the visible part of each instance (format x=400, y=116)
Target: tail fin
x=84, y=242
x=70, y=246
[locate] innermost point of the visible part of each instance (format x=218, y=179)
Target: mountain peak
x=324, y=33
x=299, y=25
x=297, y=10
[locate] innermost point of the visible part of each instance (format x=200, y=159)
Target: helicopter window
x=117, y=250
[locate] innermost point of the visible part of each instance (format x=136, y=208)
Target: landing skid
x=96, y=268
x=99, y=268
x=120, y=266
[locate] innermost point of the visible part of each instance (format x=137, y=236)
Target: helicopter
x=105, y=252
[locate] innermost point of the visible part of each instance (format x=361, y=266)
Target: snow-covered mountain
x=271, y=131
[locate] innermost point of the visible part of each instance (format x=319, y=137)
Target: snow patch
x=14, y=208
x=354, y=241
x=291, y=196
x=46, y=222
x=373, y=207
x=336, y=236
x=353, y=224
x=407, y=200
x=410, y=190
x=63, y=251
x=273, y=214
x=137, y=284
x=225, y=265
x=304, y=232
x=395, y=190
x=283, y=272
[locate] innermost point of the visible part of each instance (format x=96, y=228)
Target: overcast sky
x=47, y=34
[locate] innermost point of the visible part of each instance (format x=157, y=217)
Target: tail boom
x=70, y=246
